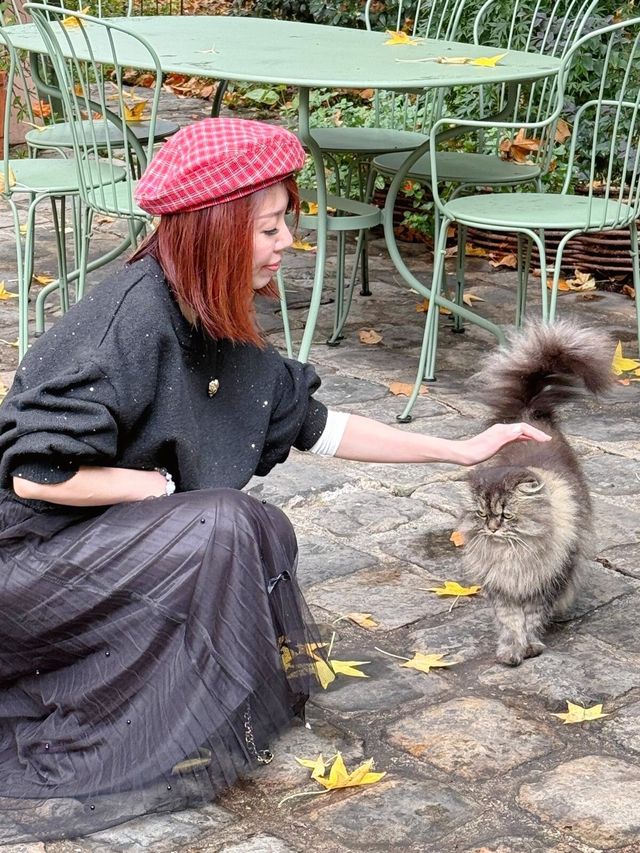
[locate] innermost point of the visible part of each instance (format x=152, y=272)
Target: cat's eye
x=481, y=514
x=506, y=514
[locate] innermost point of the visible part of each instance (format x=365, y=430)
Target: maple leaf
x=364, y=620
x=621, y=364
x=41, y=109
x=339, y=776
x=134, y=112
x=6, y=294
x=404, y=389
x=488, y=61
x=70, y=21
x=303, y=246
x=578, y=714
x=454, y=588
x=348, y=667
x=397, y=37
x=369, y=336
x=43, y=279
x=470, y=298
x=457, y=537
x=424, y=662
x=317, y=765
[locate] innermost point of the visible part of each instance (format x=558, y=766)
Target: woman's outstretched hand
x=485, y=444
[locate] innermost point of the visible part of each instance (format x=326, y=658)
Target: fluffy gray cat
x=528, y=525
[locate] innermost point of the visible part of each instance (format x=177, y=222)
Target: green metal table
x=307, y=56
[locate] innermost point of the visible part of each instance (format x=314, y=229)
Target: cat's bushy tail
x=541, y=367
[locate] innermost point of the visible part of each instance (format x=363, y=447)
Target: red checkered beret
x=217, y=160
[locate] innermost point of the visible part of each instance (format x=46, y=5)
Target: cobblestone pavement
x=475, y=760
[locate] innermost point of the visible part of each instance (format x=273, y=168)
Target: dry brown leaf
x=563, y=131
x=404, y=389
x=364, y=620
x=470, y=298
x=369, y=337
x=457, y=537
x=629, y=291
x=42, y=279
x=562, y=284
x=41, y=109
x=509, y=260
x=582, y=281
x=520, y=148
x=423, y=307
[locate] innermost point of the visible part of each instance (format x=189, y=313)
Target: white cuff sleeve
x=332, y=434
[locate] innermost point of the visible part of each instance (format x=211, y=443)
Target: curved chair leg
x=426, y=365
x=59, y=223
x=538, y=239
x=23, y=286
x=556, y=274
x=458, y=322
x=524, y=267
x=635, y=265
x=284, y=313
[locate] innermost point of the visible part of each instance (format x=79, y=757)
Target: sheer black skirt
x=148, y=654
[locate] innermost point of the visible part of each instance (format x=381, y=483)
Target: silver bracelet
x=170, y=486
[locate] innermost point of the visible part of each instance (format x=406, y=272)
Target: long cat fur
x=527, y=560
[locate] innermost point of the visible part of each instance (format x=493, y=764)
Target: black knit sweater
x=123, y=379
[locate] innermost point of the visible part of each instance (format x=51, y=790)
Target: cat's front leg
x=512, y=634
x=536, y=615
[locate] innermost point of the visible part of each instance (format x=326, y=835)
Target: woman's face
x=270, y=236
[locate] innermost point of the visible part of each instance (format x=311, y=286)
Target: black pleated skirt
x=149, y=652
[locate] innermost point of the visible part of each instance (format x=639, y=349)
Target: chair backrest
x=548, y=27
x=13, y=70
x=604, y=157
x=101, y=109
x=433, y=19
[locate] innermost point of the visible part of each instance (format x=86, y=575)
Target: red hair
x=207, y=258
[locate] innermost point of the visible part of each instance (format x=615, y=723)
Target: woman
x=153, y=638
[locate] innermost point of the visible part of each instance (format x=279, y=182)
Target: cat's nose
x=493, y=524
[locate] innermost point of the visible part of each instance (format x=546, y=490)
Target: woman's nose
x=286, y=239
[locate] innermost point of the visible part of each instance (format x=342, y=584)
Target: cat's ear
x=530, y=487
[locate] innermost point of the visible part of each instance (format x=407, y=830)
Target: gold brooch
x=213, y=386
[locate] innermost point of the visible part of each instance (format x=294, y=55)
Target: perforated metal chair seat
x=461, y=167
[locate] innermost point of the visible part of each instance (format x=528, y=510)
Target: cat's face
x=507, y=503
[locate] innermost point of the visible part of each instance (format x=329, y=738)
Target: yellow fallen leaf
x=71, y=21
x=470, y=298
x=488, y=61
x=369, y=336
x=311, y=208
x=397, y=37
x=404, y=389
x=582, y=281
x=6, y=294
x=43, y=279
x=23, y=230
x=134, y=112
x=562, y=285
x=457, y=537
x=15, y=343
x=472, y=251
x=364, y=620
x=423, y=307
x=11, y=178
x=316, y=765
x=578, y=714
x=623, y=365
x=348, y=667
x=303, y=246
x=287, y=658
x=424, y=662
x=3, y=391
x=454, y=588
x=339, y=776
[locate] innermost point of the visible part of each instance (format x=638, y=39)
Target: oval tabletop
x=309, y=55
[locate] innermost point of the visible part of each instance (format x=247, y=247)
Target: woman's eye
x=271, y=232
x=507, y=514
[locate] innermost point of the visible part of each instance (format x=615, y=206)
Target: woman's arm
x=95, y=487
x=366, y=440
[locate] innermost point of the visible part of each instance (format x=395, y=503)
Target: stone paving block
x=581, y=670
x=388, y=686
x=522, y=844
x=466, y=632
x=320, y=559
x=472, y=738
x=426, y=416
x=614, y=523
x=346, y=391
x=284, y=773
x=427, y=543
x=616, y=624
x=597, y=585
x=612, y=475
x=594, y=799
x=259, y=844
x=624, y=726
x=303, y=474
x=623, y=558
x=388, y=592
x=361, y=511
x=394, y=814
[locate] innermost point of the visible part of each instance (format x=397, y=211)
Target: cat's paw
x=534, y=649
x=509, y=656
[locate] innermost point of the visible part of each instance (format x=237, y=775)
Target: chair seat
x=58, y=135
x=539, y=210
x=366, y=140
x=116, y=199
x=56, y=176
x=460, y=167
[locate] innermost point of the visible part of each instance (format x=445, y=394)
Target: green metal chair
x=607, y=128
x=92, y=112
x=33, y=181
